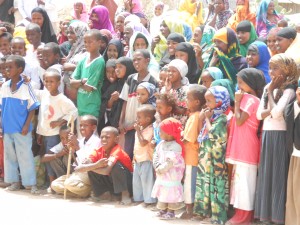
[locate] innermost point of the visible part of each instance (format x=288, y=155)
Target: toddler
x=146, y=93
x=209, y=75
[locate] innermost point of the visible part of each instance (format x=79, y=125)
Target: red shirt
x=116, y=154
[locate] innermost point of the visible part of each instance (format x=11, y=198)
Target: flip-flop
x=160, y=213
x=168, y=216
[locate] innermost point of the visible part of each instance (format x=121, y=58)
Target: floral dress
x=180, y=96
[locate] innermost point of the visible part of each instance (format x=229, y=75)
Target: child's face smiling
x=120, y=70
x=244, y=86
x=111, y=74
x=252, y=59
x=18, y=48
x=210, y=100
x=120, y=23
x=51, y=83
x=158, y=10
x=142, y=119
x=243, y=37
x=33, y=37
x=64, y=137
x=86, y=128
x=139, y=43
x=112, y=52
x=4, y=46
x=173, y=74
x=71, y=35
x=108, y=139
x=94, y=17
x=182, y=55
x=78, y=7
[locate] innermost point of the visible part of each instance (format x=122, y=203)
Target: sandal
x=34, y=190
x=160, y=213
x=168, y=216
x=14, y=187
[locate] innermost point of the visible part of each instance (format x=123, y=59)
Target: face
x=197, y=36
x=282, y=44
x=139, y=43
x=51, y=83
x=4, y=46
x=243, y=86
x=243, y=37
x=71, y=35
x=94, y=17
x=91, y=44
x=221, y=46
x=158, y=10
x=271, y=42
x=162, y=78
x=271, y=8
x=164, y=29
x=164, y=136
x=2, y=68
x=173, y=74
x=64, y=27
x=128, y=32
x=206, y=79
x=112, y=52
x=142, y=119
x=18, y=48
x=274, y=71
x=49, y=57
x=172, y=46
x=12, y=70
x=191, y=102
x=162, y=108
x=140, y=62
x=219, y=5
x=142, y=95
x=252, y=59
x=120, y=70
x=108, y=139
x=64, y=137
x=37, y=18
x=182, y=55
x=210, y=100
x=78, y=7
x=110, y=74
x=87, y=128
x=120, y=24
x=33, y=37
x=103, y=45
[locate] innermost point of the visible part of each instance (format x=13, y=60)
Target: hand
x=211, y=7
x=122, y=129
x=168, y=84
x=238, y=96
x=2, y=30
x=11, y=10
x=208, y=113
x=40, y=2
x=214, y=59
x=26, y=78
x=156, y=39
x=81, y=168
x=28, y=19
x=137, y=127
x=25, y=130
x=276, y=82
x=202, y=115
x=127, y=5
x=39, y=139
x=197, y=49
x=114, y=96
x=102, y=163
x=54, y=124
x=73, y=142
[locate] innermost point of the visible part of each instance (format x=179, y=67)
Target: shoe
x=34, y=190
x=13, y=187
x=160, y=213
x=168, y=216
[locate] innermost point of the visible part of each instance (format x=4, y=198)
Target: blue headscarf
x=215, y=73
x=151, y=90
x=222, y=97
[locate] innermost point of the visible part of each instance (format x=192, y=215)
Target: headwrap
x=151, y=90
x=173, y=128
x=111, y=63
x=207, y=36
x=175, y=37
x=138, y=27
x=48, y=34
x=103, y=18
x=181, y=66
x=111, y=5
x=223, y=16
x=126, y=61
x=246, y=26
x=264, y=58
x=287, y=32
x=119, y=46
x=215, y=73
x=221, y=35
x=223, y=102
x=159, y=4
x=132, y=19
x=254, y=79
x=227, y=84
x=84, y=15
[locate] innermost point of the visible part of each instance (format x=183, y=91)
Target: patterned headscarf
x=151, y=90
x=226, y=84
x=103, y=18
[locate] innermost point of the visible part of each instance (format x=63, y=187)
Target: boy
x=195, y=102
x=55, y=110
x=109, y=167
x=88, y=76
x=141, y=59
x=33, y=35
x=78, y=184
x=5, y=39
x=18, y=104
x=143, y=176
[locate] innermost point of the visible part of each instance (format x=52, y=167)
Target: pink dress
x=168, y=187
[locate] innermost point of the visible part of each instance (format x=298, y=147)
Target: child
x=18, y=105
x=3, y=77
x=55, y=110
x=33, y=35
x=114, y=50
x=274, y=155
x=242, y=152
x=109, y=167
x=212, y=195
x=143, y=176
x=88, y=76
x=169, y=167
x=209, y=75
x=141, y=59
x=157, y=19
x=195, y=102
x=146, y=93
x=163, y=74
x=78, y=184
x=5, y=40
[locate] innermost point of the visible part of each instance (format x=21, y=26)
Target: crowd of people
x=195, y=108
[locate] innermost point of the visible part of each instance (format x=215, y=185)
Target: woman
x=266, y=18
x=191, y=12
x=41, y=18
x=218, y=18
x=226, y=54
x=271, y=40
x=99, y=19
x=246, y=35
x=80, y=12
x=109, y=4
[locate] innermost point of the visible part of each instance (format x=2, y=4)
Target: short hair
x=54, y=47
x=144, y=52
x=20, y=39
x=9, y=27
x=18, y=60
x=6, y=35
x=111, y=129
x=64, y=127
x=198, y=92
x=148, y=110
x=34, y=27
x=168, y=99
x=95, y=34
x=91, y=119
x=54, y=72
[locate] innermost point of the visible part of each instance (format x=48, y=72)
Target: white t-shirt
x=87, y=148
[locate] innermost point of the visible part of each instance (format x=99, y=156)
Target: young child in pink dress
x=169, y=167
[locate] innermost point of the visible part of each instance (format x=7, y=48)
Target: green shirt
x=88, y=103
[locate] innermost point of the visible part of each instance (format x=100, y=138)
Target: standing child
x=195, y=102
x=18, y=104
x=143, y=174
x=212, y=194
x=156, y=19
x=243, y=152
x=141, y=59
x=145, y=93
x=169, y=167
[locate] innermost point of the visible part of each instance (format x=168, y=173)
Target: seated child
x=78, y=184
x=145, y=93
x=109, y=168
x=209, y=75
x=143, y=174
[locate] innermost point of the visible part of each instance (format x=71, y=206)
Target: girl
x=114, y=50
x=219, y=16
x=242, y=152
x=274, y=159
x=79, y=11
x=212, y=195
x=169, y=167
x=271, y=40
x=99, y=19
x=209, y=75
x=119, y=26
x=145, y=93
x=106, y=37
x=157, y=18
x=246, y=35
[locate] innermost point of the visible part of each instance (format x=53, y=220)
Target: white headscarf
x=183, y=69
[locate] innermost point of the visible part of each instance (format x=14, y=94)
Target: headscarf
x=151, y=90
x=176, y=37
x=193, y=68
x=110, y=5
x=214, y=72
x=126, y=61
x=132, y=19
x=223, y=16
x=223, y=102
x=246, y=26
x=182, y=67
x=227, y=84
x=103, y=18
x=264, y=58
x=263, y=26
x=119, y=46
x=79, y=28
x=254, y=79
x=207, y=36
x=287, y=32
x=138, y=27
x=48, y=34
x=84, y=15
x=173, y=127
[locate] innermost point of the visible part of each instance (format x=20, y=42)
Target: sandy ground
x=21, y=207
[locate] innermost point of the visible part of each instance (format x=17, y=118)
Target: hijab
x=126, y=61
x=183, y=69
x=228, y=85
x=84, y=17
x=151, y=90
x=214, y=72
x=246, y=26
x=138, y=27
x=103, y=18
x=119, y=46
x=110, y=5
x=223, y=16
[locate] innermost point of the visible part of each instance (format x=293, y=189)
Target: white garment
x=51, y=9
x=57, y=148
x=32, y=70
x=26, y=6
x=53, y=108
x=87, y=148
x=155, y=25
